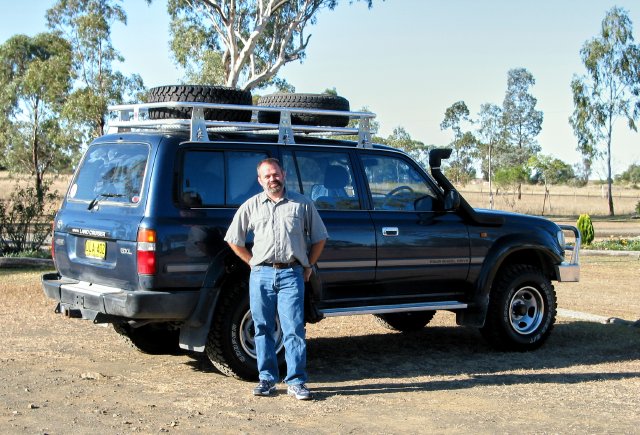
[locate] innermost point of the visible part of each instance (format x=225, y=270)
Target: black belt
x=281, y=265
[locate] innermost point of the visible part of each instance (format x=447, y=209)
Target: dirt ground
x=62, y=375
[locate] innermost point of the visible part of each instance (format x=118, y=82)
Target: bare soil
x=61, y=375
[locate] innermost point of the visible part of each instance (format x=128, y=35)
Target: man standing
x=281, y=222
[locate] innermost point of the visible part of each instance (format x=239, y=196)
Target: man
x=280, y=221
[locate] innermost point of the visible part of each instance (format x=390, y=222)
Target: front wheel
x=522, y=309
x=230, y=344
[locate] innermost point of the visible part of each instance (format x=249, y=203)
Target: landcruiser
x=138, y=240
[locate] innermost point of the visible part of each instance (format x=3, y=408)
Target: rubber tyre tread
x=200, y=94
x=305, y=101
x=150, y=339
x=233, y=303
x=497, y=330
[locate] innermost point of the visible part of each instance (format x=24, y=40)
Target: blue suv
x=138, y=240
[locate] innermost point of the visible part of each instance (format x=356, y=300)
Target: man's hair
x=271, y=161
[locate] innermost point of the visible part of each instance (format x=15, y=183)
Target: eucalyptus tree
x=490, y=134
x=241, y=43
x=608, y=91
x=87, y=24
x=522, y=122
x=35, y=81
x=464, y=144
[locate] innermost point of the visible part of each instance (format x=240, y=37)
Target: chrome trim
x=422, y=261
x=90, y=289
x=346, y=264
x=390, y=231
x=569, y=271
x=397, y=308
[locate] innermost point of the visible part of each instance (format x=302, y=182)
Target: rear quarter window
x=111, y=173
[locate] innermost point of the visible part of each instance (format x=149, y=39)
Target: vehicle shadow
x=460, y=352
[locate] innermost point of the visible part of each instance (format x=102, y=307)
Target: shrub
x=25, y=222
x=638, y=208
x=585, y=226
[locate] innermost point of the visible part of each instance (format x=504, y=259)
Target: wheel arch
x=504, y=253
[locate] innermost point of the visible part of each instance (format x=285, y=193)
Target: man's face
x=271, y=178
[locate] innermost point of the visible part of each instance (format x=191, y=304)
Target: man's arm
x=242, y=252
x=314, y=255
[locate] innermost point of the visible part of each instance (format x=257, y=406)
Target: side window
x=324, y=177
x=204, y=183
x=395, y=184
x=242, y=176
x=203, y=178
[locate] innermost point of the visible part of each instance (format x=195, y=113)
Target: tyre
x=230, y=344
x=200, y=94
x=522, y=309
x=305, y=101
x=405, y=322
x=153, y=339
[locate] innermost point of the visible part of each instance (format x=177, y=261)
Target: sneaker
x=264, y=388
x=300, y=391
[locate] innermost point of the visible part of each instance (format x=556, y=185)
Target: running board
x=399, y=308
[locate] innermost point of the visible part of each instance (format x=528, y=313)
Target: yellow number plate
x=95, y=249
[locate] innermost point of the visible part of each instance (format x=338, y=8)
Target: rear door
x=327, y=176
x=95, y=231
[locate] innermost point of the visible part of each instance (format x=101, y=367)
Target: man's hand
x=307, y=273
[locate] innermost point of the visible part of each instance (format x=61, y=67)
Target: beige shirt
x=280, y=229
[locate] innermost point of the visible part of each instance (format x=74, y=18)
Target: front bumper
x=93, y=300
x=569, y=271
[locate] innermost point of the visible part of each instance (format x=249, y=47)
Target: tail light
x=146, y=251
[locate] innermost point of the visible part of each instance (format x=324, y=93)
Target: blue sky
x=408, y=60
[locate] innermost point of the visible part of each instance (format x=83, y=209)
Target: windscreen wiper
x=97, y=199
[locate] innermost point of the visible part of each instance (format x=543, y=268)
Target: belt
x=281, y=265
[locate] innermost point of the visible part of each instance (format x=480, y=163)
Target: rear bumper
x=91, y=299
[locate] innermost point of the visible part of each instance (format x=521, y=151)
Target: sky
x=408, y=60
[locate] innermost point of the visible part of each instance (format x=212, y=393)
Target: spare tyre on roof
x=305, y=101
x=200, y=94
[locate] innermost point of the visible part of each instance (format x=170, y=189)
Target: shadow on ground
x=458, y=351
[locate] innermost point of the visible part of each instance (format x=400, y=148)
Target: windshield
x=111, y=173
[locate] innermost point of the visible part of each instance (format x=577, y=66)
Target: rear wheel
x=405, y=322
x=522, y=309
x=231, y=345
x=305, y=101
x=200, y=94
x=153, y=339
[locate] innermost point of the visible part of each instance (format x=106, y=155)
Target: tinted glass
x=204, y=183
x=325, y=177
x=111, y=173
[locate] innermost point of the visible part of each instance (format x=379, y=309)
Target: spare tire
x=200, y=94
x=305, y=101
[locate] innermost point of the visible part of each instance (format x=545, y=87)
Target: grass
x=615, y=244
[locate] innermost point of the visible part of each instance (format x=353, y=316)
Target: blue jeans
x=279, y=292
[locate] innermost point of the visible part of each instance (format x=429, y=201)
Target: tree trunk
x=609, y=180
x=34, y=155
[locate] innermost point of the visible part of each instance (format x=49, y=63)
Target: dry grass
x=564, y=200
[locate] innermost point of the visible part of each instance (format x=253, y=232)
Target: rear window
x=111, y=173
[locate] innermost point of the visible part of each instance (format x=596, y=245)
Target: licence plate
x=95, y=249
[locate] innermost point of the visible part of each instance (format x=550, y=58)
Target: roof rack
x=136, y=116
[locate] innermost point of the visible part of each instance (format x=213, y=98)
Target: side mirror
x=451, y=200
x=424, y=203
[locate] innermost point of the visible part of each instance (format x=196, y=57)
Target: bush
x=585, y=226
x=25, y=222
x=638, y=208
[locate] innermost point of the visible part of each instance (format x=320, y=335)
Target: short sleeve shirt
x=280, y=229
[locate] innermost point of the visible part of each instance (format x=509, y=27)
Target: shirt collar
x=264, y=197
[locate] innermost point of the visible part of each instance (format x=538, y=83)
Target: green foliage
x=631, y=175
x=35, y=82
x=585, y=226
x=460, y=167
x=610, y=89
x=638, y=208
x=549, y=170
x=617, y=244
x=86, y=24
x=241, y=43
x=25, y=222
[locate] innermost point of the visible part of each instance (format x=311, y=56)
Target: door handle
x=390, y=231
